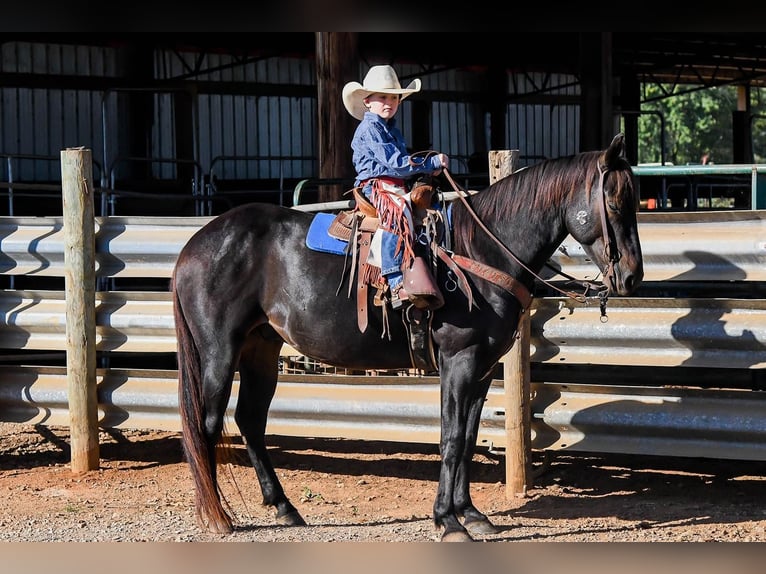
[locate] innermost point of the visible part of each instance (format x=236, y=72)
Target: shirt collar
x=373, y=117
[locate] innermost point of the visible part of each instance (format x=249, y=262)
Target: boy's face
x=385, y=105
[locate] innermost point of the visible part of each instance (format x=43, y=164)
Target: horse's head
x=604, y=220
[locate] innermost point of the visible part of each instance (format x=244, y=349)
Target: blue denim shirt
x=380, y=150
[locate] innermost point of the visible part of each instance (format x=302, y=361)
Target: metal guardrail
x=694, y=246
x=657, y=332
x=690, y=247
x=125, y=246
x=628, y=420
x=404, y=409
x=664, y=332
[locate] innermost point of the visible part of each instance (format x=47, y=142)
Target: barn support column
x=421, y=123
x=497, y=79
x=742, y=146
x=185, y=139
x=630, y=103
x=596, y=115
x=138, y=65
x=337, y=62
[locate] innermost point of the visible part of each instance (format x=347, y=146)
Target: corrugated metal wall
x=249, y=136
x=252, y=135
x=543, y=130
x=459, y=128
x=41, y=122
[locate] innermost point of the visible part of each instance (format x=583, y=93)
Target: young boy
x=383, y=165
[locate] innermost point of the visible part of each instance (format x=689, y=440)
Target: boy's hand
x=444, y=160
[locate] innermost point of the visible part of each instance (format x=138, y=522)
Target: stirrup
x=399, y=296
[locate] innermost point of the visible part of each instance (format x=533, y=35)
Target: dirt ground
x=355, y=491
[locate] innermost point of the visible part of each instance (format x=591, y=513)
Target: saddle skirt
x=333, y=233
x=358, y=236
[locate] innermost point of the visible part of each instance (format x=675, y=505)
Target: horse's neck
x=521, y=244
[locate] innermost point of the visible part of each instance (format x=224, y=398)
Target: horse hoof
x=221, y=526
x=456, y=536
x=291, y=519
x=223, y=529
x=481, y=527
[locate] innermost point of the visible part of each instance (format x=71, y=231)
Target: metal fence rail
x=699, y=246
x=629, y=420
x=720, y=331
x=663, y=332
x=756, y=173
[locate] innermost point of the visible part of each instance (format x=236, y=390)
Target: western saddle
x=358, y=226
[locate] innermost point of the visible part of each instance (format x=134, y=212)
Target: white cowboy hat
x=379, y=80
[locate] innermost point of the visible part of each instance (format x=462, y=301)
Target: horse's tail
x=200, y=456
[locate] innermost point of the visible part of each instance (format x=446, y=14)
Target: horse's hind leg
x=474, y=521
x=258, y=372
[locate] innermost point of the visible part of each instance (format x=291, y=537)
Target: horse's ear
x=615, y=151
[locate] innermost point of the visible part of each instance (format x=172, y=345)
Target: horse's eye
x=613, y=206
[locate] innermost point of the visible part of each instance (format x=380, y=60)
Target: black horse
x=246, y=283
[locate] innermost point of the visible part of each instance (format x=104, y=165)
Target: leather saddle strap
x=361, y=284
x=499, y=278
x=353, y=246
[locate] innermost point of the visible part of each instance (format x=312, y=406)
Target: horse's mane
x=535, y=189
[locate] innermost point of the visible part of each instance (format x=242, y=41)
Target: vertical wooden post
x=516, y=383
x=80, y=286
x=337, y=62
x=516, y=377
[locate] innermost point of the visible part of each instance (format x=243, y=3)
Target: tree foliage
x=695, y=122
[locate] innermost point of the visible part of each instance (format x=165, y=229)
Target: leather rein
x=518, y=289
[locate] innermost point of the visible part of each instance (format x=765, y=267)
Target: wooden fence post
x=516, y=377
x=80, y=286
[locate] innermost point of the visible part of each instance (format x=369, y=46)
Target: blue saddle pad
x=318, y=239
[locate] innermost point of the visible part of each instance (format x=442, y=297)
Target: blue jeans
x=390, y=260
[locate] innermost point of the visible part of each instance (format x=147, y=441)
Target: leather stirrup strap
x=361, y=284
x=353, y=246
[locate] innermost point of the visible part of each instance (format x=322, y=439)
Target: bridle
x=611, y=253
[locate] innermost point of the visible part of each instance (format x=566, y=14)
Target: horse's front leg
x=474, y=521
x=455, y=397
